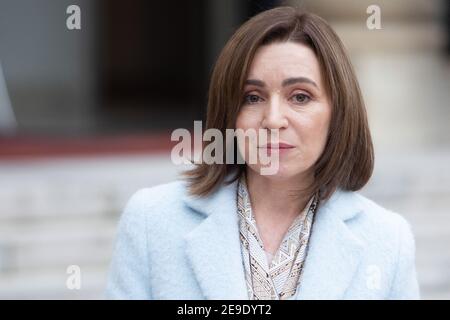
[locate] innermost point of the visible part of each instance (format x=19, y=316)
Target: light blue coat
x=174, y=246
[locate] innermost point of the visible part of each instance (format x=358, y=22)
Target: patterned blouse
x=272, y=277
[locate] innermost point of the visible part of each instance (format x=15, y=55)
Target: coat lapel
x=334, y=251
x=214, y=253
x=213, y=247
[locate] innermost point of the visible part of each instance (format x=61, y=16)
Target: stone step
x=51, y=284
x=57, y=244
x=77, y=187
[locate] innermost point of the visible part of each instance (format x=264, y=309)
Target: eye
x=301, y=98
x=251, y=98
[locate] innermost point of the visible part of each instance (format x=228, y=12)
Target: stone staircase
x=58, y=213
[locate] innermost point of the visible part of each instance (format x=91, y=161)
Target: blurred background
x=86, y=117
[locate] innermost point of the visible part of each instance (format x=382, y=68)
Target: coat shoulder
x=157, y=200
x=377, y=223
x=379, y=215
x=389, y=237
x=159, y=195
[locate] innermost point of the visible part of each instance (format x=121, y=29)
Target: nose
x=274, y=115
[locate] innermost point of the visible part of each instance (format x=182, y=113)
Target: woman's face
x=285, y=91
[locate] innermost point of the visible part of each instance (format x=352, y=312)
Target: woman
x=230, y=232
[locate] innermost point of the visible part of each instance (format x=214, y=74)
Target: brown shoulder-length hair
x=347, y=160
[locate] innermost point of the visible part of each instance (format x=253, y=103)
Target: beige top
x=272, y=276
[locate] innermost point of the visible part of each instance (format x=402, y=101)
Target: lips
x=281, y=145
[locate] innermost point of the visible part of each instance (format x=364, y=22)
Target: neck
x=276, y=198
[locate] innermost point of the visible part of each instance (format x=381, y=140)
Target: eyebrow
x=286, y=82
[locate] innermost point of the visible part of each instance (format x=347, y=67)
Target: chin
x=282, y=173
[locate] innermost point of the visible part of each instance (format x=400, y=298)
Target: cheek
x=247, y=119
x=313, y=131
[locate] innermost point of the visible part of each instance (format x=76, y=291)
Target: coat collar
x=213, y=247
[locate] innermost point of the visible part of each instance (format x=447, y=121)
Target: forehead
x=284, y=60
